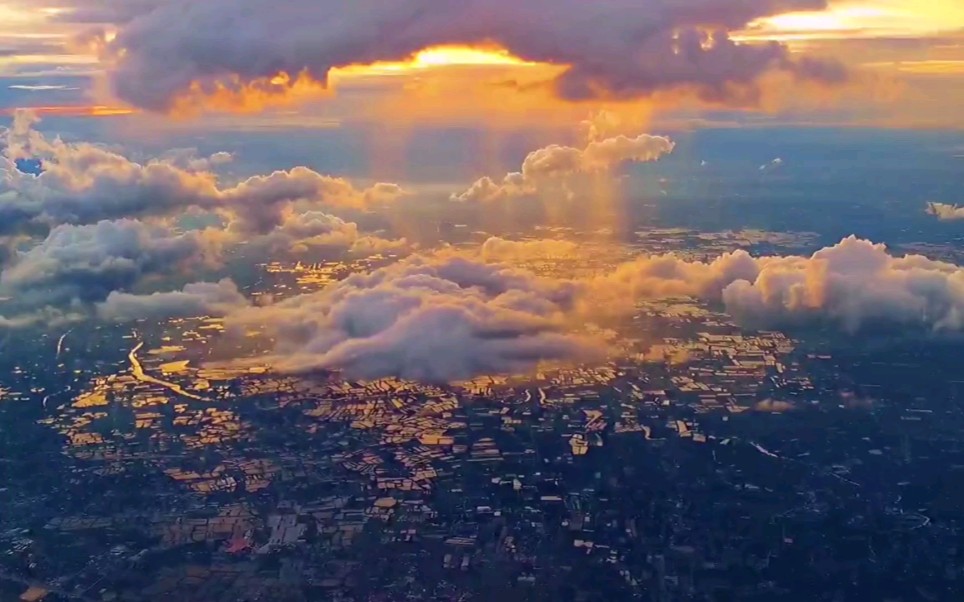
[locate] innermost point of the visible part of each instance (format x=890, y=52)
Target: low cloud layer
x=164, y=51
x=559, y=169
x=497, y=250
x=450, y=318
x=945, y=212
x=424, y=319
x=854, y=283
x=459, y=314
x=88, y=221
x=83, y=183
x=85, y=263
x=195, y=300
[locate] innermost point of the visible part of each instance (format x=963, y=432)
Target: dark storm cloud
x=613, y=48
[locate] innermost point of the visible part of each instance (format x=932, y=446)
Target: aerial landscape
x=471, y=300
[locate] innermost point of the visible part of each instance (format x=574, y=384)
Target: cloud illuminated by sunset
x=441, y=56
x=862, y=18
x=695, y=55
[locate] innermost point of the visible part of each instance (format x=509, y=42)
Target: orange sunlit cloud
x=287, y=91
x=446, y=85
x=279, y=91
x=491, y=86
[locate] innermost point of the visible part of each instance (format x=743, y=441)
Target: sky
x=150, y=146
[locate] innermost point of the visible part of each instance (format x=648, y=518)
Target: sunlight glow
x=437, y=57
x=76, y=111
x=456, y=55
x=860, y=18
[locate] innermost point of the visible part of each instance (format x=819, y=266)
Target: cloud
x=79, y=265
x=853, y=284
x=164, y=51
x=608, y=123
x=260, y=203
x=556, y=168
x=774, y=164
x=188, y=159
x=85, y=263
x=299, y=233
x=83, y=183
x=90, y=222
x=945, y=212
x=428, y=319
x=453, y=315
x=41, y=87
x=48, y=317
x=195, y=300
x=655, y=276
x=496, y=250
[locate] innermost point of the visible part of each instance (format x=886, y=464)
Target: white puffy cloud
x=83, y=183
x=654, y=276
x=945, y=212
x=93, y=221
x=195, y=300
x=853, y=283
x=429, y=319
x=260, y=203
x=557, y=168
x=299, y=233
